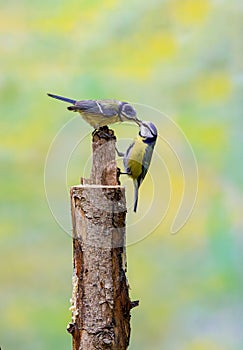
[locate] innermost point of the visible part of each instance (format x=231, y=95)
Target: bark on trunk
x=100, y=300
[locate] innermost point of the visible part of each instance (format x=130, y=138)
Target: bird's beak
x=139, y=122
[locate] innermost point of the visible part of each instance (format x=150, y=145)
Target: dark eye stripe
x=120, y=108
x=152, y=129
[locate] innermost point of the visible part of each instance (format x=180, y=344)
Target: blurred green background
x=183, y=57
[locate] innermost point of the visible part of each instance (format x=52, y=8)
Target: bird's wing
x=145, y=165
x=104, y=108
x=109, y=108
x=126, y=158
x=146, y=162
x=87, y=106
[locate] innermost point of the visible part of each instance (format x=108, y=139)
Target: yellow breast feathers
x=135, y=160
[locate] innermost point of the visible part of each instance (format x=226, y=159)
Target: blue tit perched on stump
x=138, y=156
x=100, y=113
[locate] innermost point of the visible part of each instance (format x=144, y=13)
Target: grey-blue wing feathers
x=146, y=162
x=93, y=107
x=126, y=158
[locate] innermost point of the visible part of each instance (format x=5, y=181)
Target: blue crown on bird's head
x=148, y=131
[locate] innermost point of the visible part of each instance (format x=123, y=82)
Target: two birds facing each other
x=138, y=156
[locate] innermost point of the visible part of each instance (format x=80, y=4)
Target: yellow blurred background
x=182, y=57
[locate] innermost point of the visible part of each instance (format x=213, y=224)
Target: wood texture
x=100, y=300
x=104, y=169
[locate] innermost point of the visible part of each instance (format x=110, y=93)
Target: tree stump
x=100, y=300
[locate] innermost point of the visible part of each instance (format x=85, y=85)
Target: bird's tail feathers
x=65, y=99
x=135, y=196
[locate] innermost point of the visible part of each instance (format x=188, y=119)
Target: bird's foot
x=120, y=154
x=119, y=173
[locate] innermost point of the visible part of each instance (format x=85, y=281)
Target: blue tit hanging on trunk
x=100, y=113
x=138, y=156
